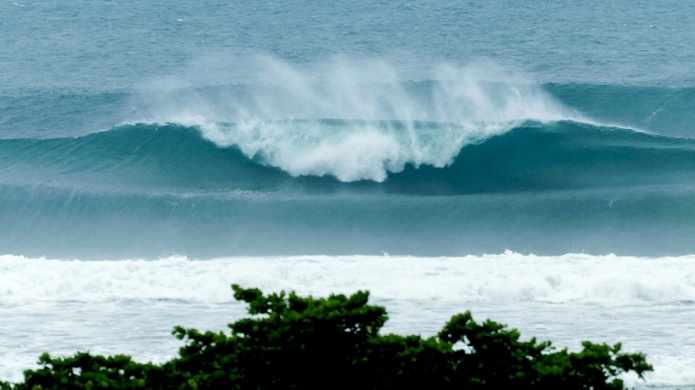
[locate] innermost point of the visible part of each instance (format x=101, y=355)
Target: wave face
x=662, y=110
x=348, y=157
x=322, y=156
x=158, y=189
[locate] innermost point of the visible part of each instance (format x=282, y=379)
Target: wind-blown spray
x=359, y=120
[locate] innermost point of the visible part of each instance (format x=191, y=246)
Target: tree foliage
x=293, y=342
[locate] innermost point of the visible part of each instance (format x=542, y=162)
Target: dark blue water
x=131, y=129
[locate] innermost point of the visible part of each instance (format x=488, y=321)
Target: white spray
x=356, y=119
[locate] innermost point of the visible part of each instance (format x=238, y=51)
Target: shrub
x=293, y=342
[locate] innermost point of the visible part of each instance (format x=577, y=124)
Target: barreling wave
x=160, y=189
x=483, y=97
x=327, y=155
x=348, y=158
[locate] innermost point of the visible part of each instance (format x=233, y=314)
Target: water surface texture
x=531, y=161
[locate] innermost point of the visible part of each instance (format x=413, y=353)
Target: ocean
x=533, y=162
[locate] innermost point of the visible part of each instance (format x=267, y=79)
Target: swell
x=152, y=190
x=133, y=158
x=664, y=110
x=52, y=114
x=59, y=113
x=533, y=156
x=46, y=221
x=558, y=156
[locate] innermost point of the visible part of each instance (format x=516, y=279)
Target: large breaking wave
x=325, y=155
x=349, y=158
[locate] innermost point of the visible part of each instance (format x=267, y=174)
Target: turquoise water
x=211, y=130
x=153, y=190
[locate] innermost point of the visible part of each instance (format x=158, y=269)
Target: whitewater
x=531, y=162
x=129, y=306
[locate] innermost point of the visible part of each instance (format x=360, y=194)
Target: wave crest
x=279, y=118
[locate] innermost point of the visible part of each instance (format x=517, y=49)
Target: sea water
x=532, y=162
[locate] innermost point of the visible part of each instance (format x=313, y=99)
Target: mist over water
x=354, y=119
x=348, y=156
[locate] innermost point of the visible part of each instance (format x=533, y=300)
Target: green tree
x=293, y=342
x=86, y=371
x=492, y=356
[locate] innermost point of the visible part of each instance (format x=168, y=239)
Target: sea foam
x=464, y=104
x=509, y=277
x=130, y=306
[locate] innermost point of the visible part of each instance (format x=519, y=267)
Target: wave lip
x=323, y=155
x=357, y=119
x=347, y=150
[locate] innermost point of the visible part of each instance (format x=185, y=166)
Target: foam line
x=508, y=277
